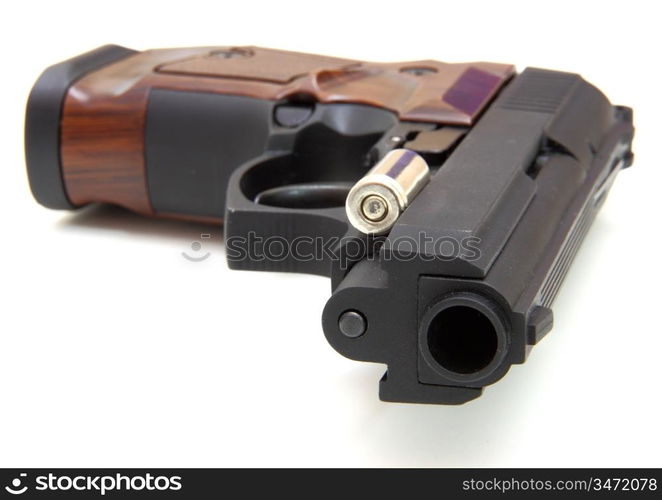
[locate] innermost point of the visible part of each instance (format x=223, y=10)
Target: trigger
x=293, y=115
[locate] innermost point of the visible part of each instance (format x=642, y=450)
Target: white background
x=116, y=351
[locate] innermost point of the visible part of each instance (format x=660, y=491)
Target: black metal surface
x=512, y=202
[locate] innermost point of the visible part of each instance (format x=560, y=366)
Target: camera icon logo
x=15, y=487
x=196, y=246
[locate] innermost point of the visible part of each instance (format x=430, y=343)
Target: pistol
x=446, y=202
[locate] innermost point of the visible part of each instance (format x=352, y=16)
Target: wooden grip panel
x=103, y=117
